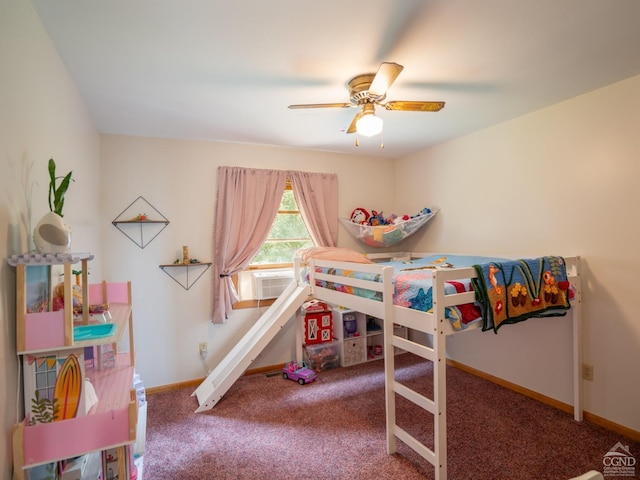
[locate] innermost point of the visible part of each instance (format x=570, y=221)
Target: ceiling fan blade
x=414, y=106
x=322, y=105
x=385, y=76
x=352, y=127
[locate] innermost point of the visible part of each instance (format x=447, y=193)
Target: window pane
x=279, y=252
x=288, y=234
x=288, y=201
x=288, y=226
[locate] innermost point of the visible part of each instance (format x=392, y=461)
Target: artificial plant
x=57, y=193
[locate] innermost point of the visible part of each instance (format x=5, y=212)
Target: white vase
x=52, y=234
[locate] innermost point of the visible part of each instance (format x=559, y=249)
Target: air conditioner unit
x=270, y=284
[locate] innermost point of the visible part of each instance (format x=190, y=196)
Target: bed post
x=297, y=272
x=439, y=381
x=576, y=310
x=389, y=359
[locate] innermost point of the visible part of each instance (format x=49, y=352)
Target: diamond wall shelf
x=138, y=226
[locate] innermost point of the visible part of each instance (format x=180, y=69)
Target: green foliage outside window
x=288, y=234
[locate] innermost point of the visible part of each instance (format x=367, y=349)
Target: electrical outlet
x=587, y=372
x=202, y=347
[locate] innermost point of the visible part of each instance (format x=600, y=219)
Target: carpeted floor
x=270, y=428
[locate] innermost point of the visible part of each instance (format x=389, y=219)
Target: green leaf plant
x=43, y=409
x=57, y=193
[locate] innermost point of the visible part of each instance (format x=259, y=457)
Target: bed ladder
x=235, y=363
x=436, y=406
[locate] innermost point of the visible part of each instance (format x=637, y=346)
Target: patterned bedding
x=412, y=284
x=515, y=290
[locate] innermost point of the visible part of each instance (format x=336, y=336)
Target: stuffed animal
x=424, y=211
x=360, y=215
x=376, y=219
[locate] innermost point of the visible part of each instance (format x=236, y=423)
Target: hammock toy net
x=386, y=235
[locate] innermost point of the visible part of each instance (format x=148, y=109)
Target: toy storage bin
x=355, y=351
x=322, y=356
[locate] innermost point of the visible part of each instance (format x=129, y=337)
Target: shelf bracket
x=183, y=280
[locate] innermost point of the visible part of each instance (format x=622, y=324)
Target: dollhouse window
x=46, y=373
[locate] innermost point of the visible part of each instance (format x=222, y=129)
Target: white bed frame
x=439, y=328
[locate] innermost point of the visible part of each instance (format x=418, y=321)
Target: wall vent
x=270, y=284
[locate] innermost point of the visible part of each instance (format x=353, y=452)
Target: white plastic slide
x=218, y=382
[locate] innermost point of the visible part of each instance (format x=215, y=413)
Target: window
x=270, y=271
x=288, y=234
x=46, y=373
x=255, y=190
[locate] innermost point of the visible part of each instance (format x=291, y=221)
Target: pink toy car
x=298, y=373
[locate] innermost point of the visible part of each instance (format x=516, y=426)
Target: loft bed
x=350, y=280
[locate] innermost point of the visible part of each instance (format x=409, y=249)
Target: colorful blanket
x=413, y=285
x=512, y=291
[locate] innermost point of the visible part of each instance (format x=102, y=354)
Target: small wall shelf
x=132, y=226
x=179, y=272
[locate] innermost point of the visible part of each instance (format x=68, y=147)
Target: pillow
x=336, y=254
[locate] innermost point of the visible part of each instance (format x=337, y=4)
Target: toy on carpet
x=298, y=373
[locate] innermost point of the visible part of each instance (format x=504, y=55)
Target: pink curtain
x=247, y=203
x=317, y=198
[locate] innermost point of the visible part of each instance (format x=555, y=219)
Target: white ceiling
x=227, y=70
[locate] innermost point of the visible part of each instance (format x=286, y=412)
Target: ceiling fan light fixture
x=367, y=91
x=369, y=124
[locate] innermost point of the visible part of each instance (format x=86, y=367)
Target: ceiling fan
x=368, y=90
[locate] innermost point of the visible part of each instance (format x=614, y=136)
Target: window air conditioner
x=270, y=284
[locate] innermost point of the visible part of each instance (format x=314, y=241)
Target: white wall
x=180, y=178
x=41, y=116
x=561, y=181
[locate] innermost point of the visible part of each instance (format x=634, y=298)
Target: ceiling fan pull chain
x=357, y=141
x=381, y=140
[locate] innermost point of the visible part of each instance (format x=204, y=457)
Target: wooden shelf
x=112, y=385
x=361, y=347
x=115, y=222
x=132, y=227
x=134, y=231
x=120, y=316
x=111, y=422
x=183, y=280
